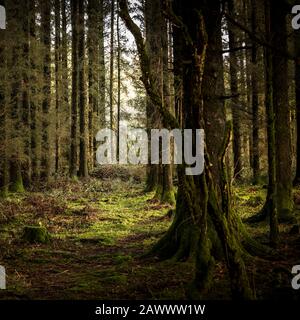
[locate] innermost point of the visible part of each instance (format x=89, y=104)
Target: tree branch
x=257, y=39
x=168, y=119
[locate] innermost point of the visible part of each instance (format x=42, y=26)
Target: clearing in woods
x=100, y=230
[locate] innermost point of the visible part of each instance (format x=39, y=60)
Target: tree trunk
x=65, y=101
x=235, y=100
x=255, y=105
x=4, y=174
x=112, y=53
x=297, y=87
x=167, y=195
x=102, y=80
x=46, y=41
x=154, y=49
x=74, y=111
x=271, y=209
x=93, y=44
x=14, y=21
x=57, y=84
x=119, y=82
x=83, y=144
x=188, y=235
x=282, y=114
x=26, y=99
x=34, y=130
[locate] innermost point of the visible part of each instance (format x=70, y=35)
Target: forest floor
x=99, y=232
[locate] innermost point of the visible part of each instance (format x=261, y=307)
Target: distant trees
x=51, y=111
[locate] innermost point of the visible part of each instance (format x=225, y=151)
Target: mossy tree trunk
x=15, y=25
x=235, y=103
x=167, y=195
x=188, y=237
x=153, y=47
x=159, y=176
x=282, y=114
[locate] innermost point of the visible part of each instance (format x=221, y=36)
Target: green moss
x=120, y=259
x=254, y=201
x=168, y=197
x=116, y=279
x=36, y=234
x=158, y=192
x=17, y=186
x=3, y=192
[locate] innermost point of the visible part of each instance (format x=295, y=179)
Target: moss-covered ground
x=100, y=231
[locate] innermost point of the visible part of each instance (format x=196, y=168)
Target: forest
x=223, y=223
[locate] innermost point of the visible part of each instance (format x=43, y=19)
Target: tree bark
x=235, y=100
x=74, y=111
x=255, y=105
x=187, y=236
x=93, y=44
x=4, y=170
x=58, y=82
x=15, y=23
x=46, y=41
x=297, y=88
x=282, y=114
x=83, y=144
x=111, y=76
x=65, y=81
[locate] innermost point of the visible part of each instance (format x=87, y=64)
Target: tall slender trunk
x=255, y=105
x=93, y=44
x=167, y=194
x=272, y=194
x=4, y=170
x=282, y=114
x=102, y=80
x=15, y=19
x=26, y=99
x=119, y=83
x=112, y=53
x=46, y=103
x=57, y=84
x=235, y=100
x=83, y=144
x=34, y=130
x=297, y=87
x=74, y=111
x=65, y=101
